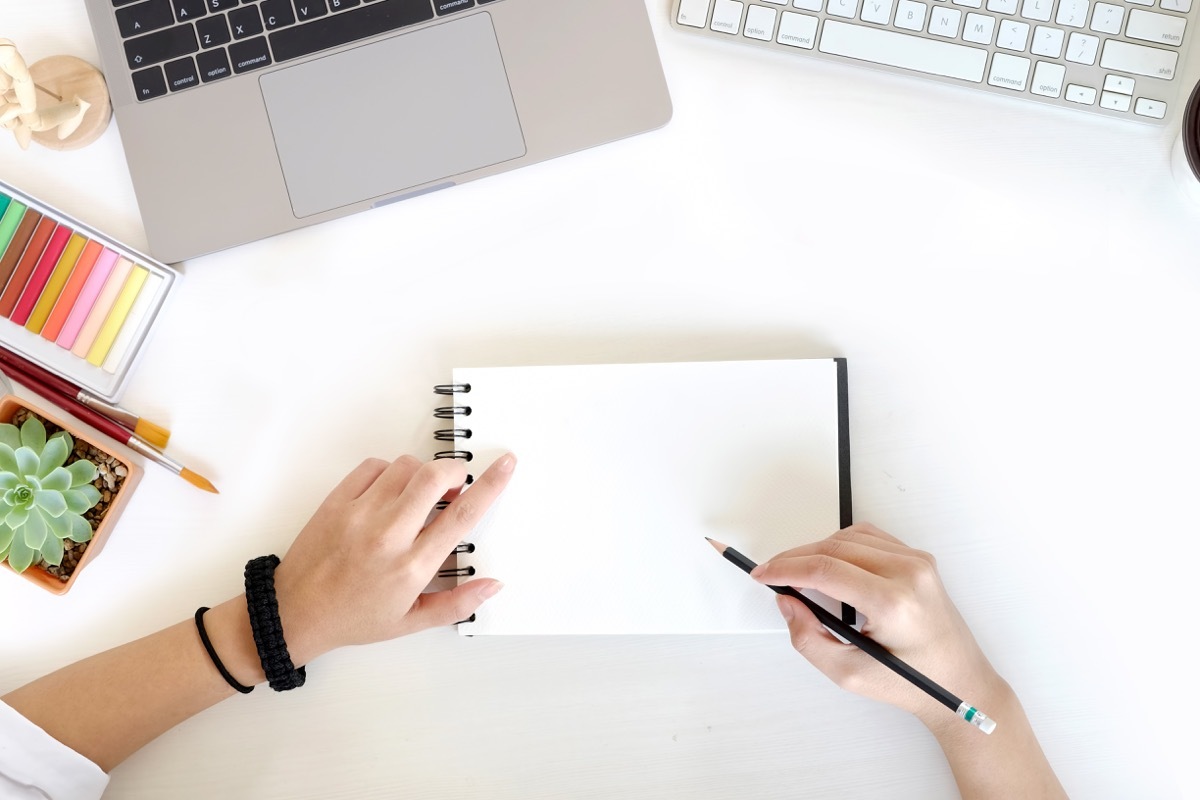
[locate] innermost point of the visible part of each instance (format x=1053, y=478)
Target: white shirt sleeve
x=36, y=766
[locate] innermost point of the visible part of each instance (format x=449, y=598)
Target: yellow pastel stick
x=116, y=317
x=56, y=282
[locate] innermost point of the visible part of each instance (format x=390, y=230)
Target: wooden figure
x=59, y=102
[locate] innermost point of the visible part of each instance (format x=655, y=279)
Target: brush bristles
x=198, y=481
x=154, y=435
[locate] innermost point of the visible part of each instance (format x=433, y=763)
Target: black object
x=149, y=83
x=345, y=27
x=281, y=674
x=212, y=653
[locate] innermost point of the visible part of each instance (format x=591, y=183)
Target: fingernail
x=757, y=571
x=785, y=607
x=506, y=463
x=489, y=590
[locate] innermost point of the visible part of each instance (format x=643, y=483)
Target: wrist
x=990, y=695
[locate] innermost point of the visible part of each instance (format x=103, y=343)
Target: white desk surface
x=1016, y=290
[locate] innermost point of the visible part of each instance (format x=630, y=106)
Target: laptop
x=241, y=120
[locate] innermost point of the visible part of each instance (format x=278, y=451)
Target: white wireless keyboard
x=1118, y=58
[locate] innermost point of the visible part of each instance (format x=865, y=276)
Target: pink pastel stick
x=87, y=298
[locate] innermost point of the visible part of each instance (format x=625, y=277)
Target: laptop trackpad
x=392, y=115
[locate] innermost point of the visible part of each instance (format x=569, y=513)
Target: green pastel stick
x=10, y=221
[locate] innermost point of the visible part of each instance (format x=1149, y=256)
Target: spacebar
x=899, y=50
x=348, y=26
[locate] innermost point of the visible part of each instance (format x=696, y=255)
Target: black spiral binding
x=453, y=435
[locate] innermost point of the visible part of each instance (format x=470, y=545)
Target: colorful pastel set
x=72, y=299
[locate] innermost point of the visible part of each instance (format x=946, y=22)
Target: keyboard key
x=163, y=45
x=214, y=65
x=342, y=5
x=188, y=10
x=1182, y=6
x=901, y=50
x=1047, y=42
x=1009, y=72
x=245, y=22
x=149, y=83
x=878, y=12
x=1150, y=61
x=727, y=16
x=944, y=22
x=443, y=7
x=807, y=5
x=798, y=30
x=117, y=3
x=1048, y=79
x=310, y=9
x=1107, y=18
x=1072, y=13
x=181, y=74
x=277, y=13
x=1146, y=107
x=144, y=17
x=1119, y=84
x=979, y=28
x=693, y=12
x=969, y=3
x=1115, y=102
x=1013, y=35
x=910, y=15
x=1002, y=6
x=1157, y=28
x=1037, y=9
x=249, y=54
x=1081, y=48
x=760, y=23
x=349, y=26
x=213, y=31
x=1084, y=95
x=221, y=5
x=846, y=9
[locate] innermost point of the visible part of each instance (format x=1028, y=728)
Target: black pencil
x=963, y=709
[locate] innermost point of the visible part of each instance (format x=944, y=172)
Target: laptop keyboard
x=172, y=45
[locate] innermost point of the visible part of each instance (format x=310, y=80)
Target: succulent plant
x=41, y=501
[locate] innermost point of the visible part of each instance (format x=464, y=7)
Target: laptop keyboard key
x=277, y=13
x=450, y=6
x=349, y=26
x=161, y=46
x=181, y=74
x=144, y=17
x=221, y=5
x=213, y=31
x=188, y=10
x=342, y=5
x=214, y=65
x=249, y=54
x=310, y=9
x=149, y=83
x=245, y=22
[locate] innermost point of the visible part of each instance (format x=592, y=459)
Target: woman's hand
x=355, y=573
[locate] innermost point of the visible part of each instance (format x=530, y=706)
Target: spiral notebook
x=622, y=471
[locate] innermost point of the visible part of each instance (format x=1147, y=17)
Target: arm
x=354, y=575
x=908, y=611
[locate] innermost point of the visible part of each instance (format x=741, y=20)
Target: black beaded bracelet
x=212, y=653
x=268, y=630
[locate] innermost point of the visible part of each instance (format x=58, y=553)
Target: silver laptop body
x=235, y=136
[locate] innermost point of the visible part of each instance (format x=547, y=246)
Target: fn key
x=149, y=83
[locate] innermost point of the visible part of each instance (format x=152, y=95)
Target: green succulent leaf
x=8, y=458
x=27, y=461
x=9, y=480
x=20, y=555
x=33, y=434
x=66, y=437
x=54, y=456
x=52, y=550
x=6, y=536
x=59, y=479
x=35, y=530
x=82, y=472
x=16, y=518
x=81, y=529
x=80, y=500
x=52, y=503
x=10, y=436
x=60, y=527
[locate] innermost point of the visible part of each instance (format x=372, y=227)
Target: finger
x=840, y=662
x=411, y=509
x=863, y=555
x=359, y=480
x=457, y=520
x=391, y=481
x=834, y=577
x=435, y=609
x=867, y=529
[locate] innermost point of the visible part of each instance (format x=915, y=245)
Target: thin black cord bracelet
x=212, y=653
x=268, y=630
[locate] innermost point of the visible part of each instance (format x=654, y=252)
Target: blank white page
x=624, y=469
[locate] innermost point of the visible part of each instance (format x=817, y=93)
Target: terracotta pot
x=9, y=406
